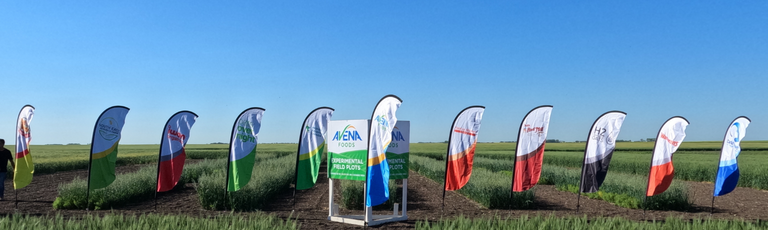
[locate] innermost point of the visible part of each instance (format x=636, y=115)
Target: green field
x=627, y=177
x=695, y=161
x=551, y=222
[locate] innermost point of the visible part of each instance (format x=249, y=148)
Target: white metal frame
x=368, y=218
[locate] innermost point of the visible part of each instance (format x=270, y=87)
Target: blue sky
x=706, y=61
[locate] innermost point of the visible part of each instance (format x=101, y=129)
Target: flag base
x=372, y=220
x=398, y=214
x=360, y=219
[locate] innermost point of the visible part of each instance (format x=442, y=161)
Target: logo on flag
x=108, y=128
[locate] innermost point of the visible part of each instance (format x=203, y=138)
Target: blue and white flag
x=382, y=122
x=728, y=171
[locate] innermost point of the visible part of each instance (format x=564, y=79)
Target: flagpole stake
x=294, y=199
x=16, y=198
x=645, y=205
x=578, y=201
x=712, y=208
x=88, y=193
x=155, y=201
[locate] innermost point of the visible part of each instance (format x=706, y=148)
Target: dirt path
x=424, y=203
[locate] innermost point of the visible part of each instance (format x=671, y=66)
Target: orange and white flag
x=461, y=147
x=662, y=171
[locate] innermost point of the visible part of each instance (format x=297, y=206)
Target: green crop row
x=147, y=221
x=689, y=165
x=552, y=222
x=624, y=190
x=352, y=196
x=68, y=165
x=493, y=175
x=136, y=186
x=490, y=189
x=127, y=188
x=51, y=165
x=269, y=178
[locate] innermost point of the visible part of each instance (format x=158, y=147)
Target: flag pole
x=586, y=150
x=226, y=178
x=445, y=177
x=448, y=155
x=90, y=163
x=16, y=160
x=229, y=159
x=90, y=155
x=514, y=158
x=298, y=152
x=584, y=163
x=88, y=187
x=517, y=146
x=581, y=183
x=367, y=156
x=296, y=168
x=160, y=157
x=653, y=154
x=714, y=188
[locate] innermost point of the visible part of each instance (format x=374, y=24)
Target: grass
x=491, y=181
x=147, y=221
x=689, y=165
x=56, y=158
x=552, y=222
x=127, y=188
x=490, y=189
x=269, y=178
x=623, y=190
x=694, y=161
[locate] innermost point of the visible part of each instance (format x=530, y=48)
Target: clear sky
x=704, y=60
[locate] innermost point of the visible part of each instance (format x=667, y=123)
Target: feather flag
x=728, y=170
x=22, y=174
x=383, y=121
x=600, y=146
x=172, y=154
x=106, y=136
x=529, y=154
x=671, y=134
x=311, y=147
x=461, y=147
x=242, y=148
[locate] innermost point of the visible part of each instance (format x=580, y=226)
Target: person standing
x=5, y=157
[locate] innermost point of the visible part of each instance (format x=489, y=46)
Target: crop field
x=57, y=194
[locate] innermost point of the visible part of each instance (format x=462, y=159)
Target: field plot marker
x=400, y=210
x=354, y=153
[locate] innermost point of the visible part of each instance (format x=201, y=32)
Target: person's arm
x=13, y=164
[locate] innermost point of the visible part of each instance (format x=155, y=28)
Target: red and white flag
x=670, y=136
x=529, y=153
x=461, y=147
x=172, y=154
